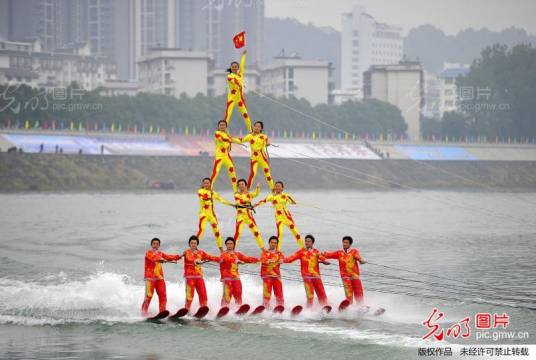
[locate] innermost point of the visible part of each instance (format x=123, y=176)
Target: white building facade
x=365, y=42
x=174, y=72
x=402, y=86
x=292, y=76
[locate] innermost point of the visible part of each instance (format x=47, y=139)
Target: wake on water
x=106, y=297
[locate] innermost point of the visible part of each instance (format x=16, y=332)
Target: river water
x=71, y=275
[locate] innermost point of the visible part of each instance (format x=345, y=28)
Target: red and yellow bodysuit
x=271, y=277
x=193, y=275
x=154, y=279
x=259, y=156
x=230, y=278
x=310, y=272
x=206, y=213
x=245, y=217
x=236, y=94
x=222, y=156
x=349, y=269
x=283, y=216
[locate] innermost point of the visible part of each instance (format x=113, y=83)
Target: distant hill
x=433, y=47
x=309, y=41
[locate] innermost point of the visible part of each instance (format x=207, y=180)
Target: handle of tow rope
x=251, y=208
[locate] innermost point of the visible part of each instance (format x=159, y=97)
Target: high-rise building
x=210, y=25
x=401, y=85
x=190, y=25
x=108, y=27
x=365, y=42
x=4, y=20
x=155, y=24
x=28, y=20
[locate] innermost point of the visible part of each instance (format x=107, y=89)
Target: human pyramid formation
x=229, y=259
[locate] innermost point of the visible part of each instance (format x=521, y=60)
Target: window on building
x=291, y=73
x=356, y=33
x=355, y=42
x=449, y=103
x=449, y=81
x=449, y=92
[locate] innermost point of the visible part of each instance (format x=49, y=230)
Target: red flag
x=239, y=40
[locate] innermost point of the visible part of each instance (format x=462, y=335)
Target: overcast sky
x=449, y=15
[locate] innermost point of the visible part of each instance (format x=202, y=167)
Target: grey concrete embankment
x=49, y=172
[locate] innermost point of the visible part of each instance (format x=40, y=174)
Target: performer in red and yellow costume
x=244, y=214
x=235, y=97
x=222, y=155
x=271, y=260
x=230, y=278
x=206, y=210
x=349, y=260
x=154, y=276
x=310, y=271
x=193, y=272
x=279, y=200
x=259, y=155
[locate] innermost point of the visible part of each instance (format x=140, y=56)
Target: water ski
x=344, y=305
x=327, y=309
x=379, y=312
x=180, y=313
x=201, y=312
x=258, y=310
x=242, y=310
x=161, y=315
x=296, y=310
x=278, y=309
x=222, y=312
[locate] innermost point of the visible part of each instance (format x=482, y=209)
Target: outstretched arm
x=243, y=63
x=330, y=255
x=209, y=257
x=292, y=257
x=246, y=138
x=246, y=259
x=264, y=201
x=169, y=257
x=217, y=196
